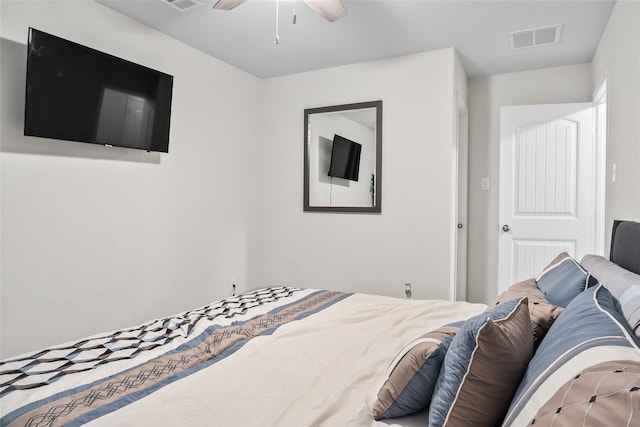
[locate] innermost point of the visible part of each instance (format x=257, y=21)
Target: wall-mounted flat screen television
x=76, y=93
x=345, y=158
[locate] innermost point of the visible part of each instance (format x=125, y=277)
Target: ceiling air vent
x=534, y=37
x=182, y=5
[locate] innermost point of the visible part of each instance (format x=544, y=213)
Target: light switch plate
x=614, y=172
x=485, y=183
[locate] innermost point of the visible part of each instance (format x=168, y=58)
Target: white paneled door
x=547, y=187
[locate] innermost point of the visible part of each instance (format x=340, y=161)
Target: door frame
x=460, y=204
x=601, y=124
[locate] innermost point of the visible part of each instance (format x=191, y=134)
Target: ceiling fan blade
x=227, y=4
x=331, y=10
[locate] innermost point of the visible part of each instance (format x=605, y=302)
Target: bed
x=284, y=356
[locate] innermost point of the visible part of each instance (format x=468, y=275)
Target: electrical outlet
x=408, y=291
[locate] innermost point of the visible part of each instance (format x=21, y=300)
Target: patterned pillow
x=493, y=349
x=412, y=376
x=589, y=332
x=542, y=313
x=563, y=279
x=607, y=394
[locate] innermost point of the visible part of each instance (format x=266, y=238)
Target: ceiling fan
x=331, y=10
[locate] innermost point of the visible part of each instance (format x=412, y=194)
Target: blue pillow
x=491, y=349
x=563, y=280
x=412, y=376
x=588, y=332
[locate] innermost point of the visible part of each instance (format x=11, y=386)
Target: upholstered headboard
x=625, y=245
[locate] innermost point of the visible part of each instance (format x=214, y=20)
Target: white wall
x=410, y=240
x=618, y=59
x=486, y=96
x=96, y=238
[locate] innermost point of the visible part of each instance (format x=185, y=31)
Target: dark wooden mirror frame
x=378, y=168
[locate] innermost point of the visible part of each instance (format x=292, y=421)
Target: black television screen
x=345, y=158
x=80, y=94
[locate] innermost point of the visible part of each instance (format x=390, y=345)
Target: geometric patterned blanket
x=84, y=403
x=47, y=366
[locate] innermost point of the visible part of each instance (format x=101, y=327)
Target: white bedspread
x=323, y=369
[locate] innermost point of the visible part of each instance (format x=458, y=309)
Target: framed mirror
x=343, y=158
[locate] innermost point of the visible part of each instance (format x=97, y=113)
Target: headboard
x=625, y=245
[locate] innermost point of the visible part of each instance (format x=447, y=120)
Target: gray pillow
x=630, y=305
x=613, y=277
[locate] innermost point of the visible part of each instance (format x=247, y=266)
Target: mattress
x=277, y=356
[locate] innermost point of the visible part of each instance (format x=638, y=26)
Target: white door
x=547, y=187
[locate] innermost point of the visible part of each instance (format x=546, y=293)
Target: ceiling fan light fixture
x=331, y=10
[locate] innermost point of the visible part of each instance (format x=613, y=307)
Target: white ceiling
x=375, y=29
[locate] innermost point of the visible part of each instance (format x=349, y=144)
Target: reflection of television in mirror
x=76, y=93
x=345, y=158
